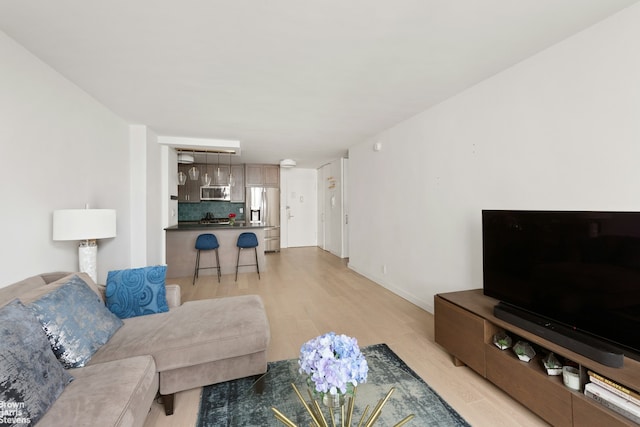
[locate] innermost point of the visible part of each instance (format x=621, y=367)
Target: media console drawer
x=585, y=413
x=461, y=333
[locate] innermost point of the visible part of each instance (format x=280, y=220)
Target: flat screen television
x=570, y=276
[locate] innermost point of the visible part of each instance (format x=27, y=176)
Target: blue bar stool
x=206, y=242
x=247, y=241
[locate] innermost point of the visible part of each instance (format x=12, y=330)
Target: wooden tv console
x=465, y=326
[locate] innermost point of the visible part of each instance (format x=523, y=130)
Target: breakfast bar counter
x=181, y=251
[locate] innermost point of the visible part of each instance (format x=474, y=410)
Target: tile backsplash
x=197, y=211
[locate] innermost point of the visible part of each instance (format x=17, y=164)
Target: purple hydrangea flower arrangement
x=333, y=363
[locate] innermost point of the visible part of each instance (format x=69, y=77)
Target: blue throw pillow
x=76, y=322
x=31, y=378
x=137, y=291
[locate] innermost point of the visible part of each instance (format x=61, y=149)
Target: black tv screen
x=581, y=269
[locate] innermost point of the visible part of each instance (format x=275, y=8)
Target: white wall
x=150, y=185
x=169, y=177
x=60, y=149
x=155, y=196
x=138, y=214
x=558, y=131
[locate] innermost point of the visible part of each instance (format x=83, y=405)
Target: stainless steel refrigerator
x=263, y=207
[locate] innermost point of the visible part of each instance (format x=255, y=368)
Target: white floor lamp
x=86, y=225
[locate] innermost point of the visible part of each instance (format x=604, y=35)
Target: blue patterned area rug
x=248, y=401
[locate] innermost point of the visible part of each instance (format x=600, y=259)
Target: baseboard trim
x=396, y=290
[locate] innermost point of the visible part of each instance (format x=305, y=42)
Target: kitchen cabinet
x=254, y=176
x=237, y=185
x=271, y=175
x=190, y=191
x=262, y=175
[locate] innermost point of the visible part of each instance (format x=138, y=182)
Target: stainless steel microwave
x=215, y=192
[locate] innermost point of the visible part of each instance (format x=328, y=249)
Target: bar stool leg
x=257, y=266
x=237, y=262
x=195, y=272
x=218, y=264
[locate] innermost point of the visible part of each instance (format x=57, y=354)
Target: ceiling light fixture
x=201, y=145
x=287, y=163
x=185, y=159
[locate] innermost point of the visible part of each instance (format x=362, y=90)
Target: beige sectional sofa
x=193, y=344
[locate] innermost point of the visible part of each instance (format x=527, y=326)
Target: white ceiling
x=288, y=78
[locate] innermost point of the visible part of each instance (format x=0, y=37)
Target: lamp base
x=87, y=256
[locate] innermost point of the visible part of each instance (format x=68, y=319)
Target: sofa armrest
x=56, y=275
x=173, y=295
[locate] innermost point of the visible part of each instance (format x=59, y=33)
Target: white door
x=321, y=207
x=334, y=209
x=301, y=207
x=345, y=209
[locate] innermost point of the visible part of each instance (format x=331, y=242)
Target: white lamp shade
x=84, y=224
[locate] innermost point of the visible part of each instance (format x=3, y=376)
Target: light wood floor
x=308, y=292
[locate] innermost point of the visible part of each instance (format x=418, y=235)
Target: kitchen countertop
x=181, y=252
x=188, y=226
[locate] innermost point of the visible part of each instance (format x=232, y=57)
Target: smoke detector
x=185, y=159
x=287, y=163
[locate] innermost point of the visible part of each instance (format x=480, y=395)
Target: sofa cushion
x=30, y=375
x=194, y=333
x=11, y=292
x=75, y=321
x=137, y=291
x=118, y=393
x=33, y=293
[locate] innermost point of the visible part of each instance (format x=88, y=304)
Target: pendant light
x=194, y=173
x=218, y=171
x=206, y=178
x=230, y=174
x=182, y=178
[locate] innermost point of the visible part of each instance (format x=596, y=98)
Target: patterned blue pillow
x=76, y=322
x=137, y=291
x=31, y=378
